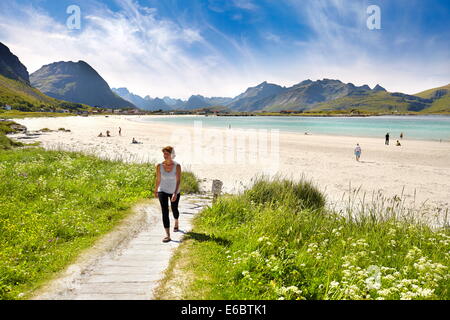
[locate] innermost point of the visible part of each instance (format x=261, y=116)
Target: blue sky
x=220, y=47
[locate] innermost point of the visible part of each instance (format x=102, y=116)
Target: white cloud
x=130, y=48
x=136, y=48
x=245, y=4
x=343, y=48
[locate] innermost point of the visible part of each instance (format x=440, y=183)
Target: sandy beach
x=418, y=171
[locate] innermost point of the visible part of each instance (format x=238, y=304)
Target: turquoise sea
x=413, y=127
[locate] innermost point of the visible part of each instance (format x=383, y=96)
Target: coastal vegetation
x=5, y=142
x=278, y=241
x=17, y=114
x=54, y=204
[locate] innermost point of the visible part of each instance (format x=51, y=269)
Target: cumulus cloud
x=131, y=47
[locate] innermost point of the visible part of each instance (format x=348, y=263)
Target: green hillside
x=22, y=97
x=376, y=102
x=335, y=96
x=440, y=97
x=430, y=101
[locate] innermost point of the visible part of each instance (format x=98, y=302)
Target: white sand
x=421, y=169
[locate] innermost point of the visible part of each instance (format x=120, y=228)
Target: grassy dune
x=276, y=241
x=53, y=204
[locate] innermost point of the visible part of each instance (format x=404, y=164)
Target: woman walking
x=168, y=180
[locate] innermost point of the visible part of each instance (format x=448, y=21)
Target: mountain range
x=77, y=85
x=308, y=95
x=167, y=103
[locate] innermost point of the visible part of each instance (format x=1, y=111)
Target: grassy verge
x=53, y=204
x=276, y=241
x=5, y=142
x=16, y=114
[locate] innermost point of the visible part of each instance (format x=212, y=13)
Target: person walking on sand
x=357, y=152
x=168, y=180
x=120, y=131
x=387, y=139
x=401, y=135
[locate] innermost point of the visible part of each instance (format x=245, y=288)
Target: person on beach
x=387, y=139
x=357, y=152
x=398, y=144
x=168, y=180
x=120, y=131
x=101, y=134
x=107, y=133
x=401, y=135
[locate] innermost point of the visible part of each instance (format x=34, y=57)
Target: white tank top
x=168, y=179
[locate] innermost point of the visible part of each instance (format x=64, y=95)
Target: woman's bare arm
x=158, y=179
x=174, y=196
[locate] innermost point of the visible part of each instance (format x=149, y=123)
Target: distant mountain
x=76, y=82
x=330, y=95
x=167, y=103
x=174, y=103
x=195, y=102
x=379, y=88
x=148, y=103
x=376, y=102
x=199, y=101
x=135, y=99
x=11, y=67
x=255, y=98
x=15, y=89
x=306, y=94
x=440, y=98
x=156, y=104
x=218, y=101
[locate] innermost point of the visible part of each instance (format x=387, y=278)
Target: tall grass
x=5, y=142
x=53, y=204
x=251, y=246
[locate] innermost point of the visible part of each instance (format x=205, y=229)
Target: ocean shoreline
x=287, y=131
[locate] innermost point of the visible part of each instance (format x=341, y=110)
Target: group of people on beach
x=398, y=144
x=108, y=134
x=358, y=147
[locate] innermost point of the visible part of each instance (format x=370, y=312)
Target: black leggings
x=163, y=197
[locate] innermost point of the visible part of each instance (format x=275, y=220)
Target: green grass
x=16, y=114
x=276, y=241
x=5, y=142
x=54, y=204
x=440, y=105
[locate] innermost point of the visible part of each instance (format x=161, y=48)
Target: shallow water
x=413, y=127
